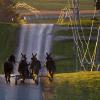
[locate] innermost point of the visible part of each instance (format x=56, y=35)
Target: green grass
x=66, y=49
x=8, y=41
x=86, y=32
x=64, y=66
x=76, y=86
x=56, y=4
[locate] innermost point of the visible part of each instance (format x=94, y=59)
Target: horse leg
x=23, y=77
x=6, y=78
x=9, y=78
x=33, y=76
x=36, y=80
x=23, y=80
x=50, y=72
x=51, y=75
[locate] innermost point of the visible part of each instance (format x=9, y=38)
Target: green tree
x=7, y=13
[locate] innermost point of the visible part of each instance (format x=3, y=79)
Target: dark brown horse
x=8, y=67
x=33, y=60
x=23, y=68
x=35, y=67
x=50, y=65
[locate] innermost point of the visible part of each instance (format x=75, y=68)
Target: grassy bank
x=8, y=41
x=76, y=86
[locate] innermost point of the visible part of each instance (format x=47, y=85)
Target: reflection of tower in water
x=35, y=38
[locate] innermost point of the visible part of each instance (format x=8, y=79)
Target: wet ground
x=27, y=91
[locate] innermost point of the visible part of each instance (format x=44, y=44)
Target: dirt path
x=28, y=91
x=47, y=88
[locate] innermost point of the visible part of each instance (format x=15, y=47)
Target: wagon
x=30, y=76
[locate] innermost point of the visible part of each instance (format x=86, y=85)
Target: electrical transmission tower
x=76, y=18
x=76, y=10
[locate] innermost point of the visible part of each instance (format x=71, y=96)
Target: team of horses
x=28, y=70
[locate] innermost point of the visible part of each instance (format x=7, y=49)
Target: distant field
x=56, y=4
x=66, y=48
x=76, y=86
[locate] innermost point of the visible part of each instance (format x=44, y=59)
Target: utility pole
x=76, y=18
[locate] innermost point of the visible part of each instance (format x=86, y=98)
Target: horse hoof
x=16, y=82
x=9, y=81
x=6, y=82
x=50, y=79
x=22, y=81
x=33, y=78
x=36, y=81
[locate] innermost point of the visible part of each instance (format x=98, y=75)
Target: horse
x=32, y=64
x=50, y=65
x=35, y=67
x=23, y=68
x=8, y=67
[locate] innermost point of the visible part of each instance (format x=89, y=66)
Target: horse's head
x=34, y=56
x=23, y=56
x=11, y=58
x=48, y=56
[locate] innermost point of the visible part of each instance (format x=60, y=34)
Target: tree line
x=7, y=12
